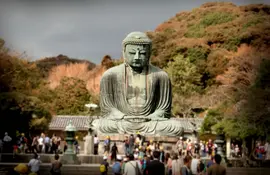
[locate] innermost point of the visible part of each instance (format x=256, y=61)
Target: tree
x=71, y=96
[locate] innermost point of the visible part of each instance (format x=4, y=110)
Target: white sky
x=84, y=29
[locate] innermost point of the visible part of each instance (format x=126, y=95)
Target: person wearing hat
x=104, y=166
x=116, y=168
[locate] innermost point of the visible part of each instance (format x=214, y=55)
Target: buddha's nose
x=136, y=57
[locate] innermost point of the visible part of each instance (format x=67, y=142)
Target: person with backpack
x=116, y=168
x=132, y=167
x=103, y=168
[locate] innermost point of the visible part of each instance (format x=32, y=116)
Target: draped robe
x=155, y=112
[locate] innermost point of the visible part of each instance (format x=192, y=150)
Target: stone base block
x=70, y=159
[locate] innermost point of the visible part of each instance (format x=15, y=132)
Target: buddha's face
x=137, y=56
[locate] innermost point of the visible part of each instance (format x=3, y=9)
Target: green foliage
x=71, y=96
x=212, y=118
x=215, y=18
x=184, y=75
x=195, y=31
x=232, y=43
x=197, y=53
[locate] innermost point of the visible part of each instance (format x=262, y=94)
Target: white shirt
x=96, y=140
x=34, y=164
x=40, y=141
x=194, y=165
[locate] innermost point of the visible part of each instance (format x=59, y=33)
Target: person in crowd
x=76, y=144
x=185, y=170
x=196, y=147
x=34, y=145
x=96, y=142
x=179, y=145
x=131, y=144
x=194, y=164
x=168, y=163
x=125, y=160
x=145, y=161
x=114, y=152
x=155, y=167
x=126, y=145
x=211, y=162
x=116, y=168
x=56, y=166
x=104, y=166
x=176, y=165
x=202, y=149
x=34, y=164
x=216, y=168
x=132, y=167
x=7, y=140
x=47, y=143
x=40, y=144
x=107, y=144
x=65, y=146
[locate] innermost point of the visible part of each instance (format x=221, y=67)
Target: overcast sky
x=84, y=29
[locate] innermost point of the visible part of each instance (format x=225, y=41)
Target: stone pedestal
x=89, y=145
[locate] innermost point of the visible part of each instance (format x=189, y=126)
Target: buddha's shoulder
x=158, y=71
x=114, y=70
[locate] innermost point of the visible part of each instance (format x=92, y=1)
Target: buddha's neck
x=136, y=70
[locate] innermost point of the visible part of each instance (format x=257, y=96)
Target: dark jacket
x=155, y=167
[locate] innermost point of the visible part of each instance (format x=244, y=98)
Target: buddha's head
x=137, y=50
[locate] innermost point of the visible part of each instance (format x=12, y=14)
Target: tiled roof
x=59, y=122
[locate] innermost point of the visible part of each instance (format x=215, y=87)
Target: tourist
x=54, y=144
x=56, y=166
x=155, y=167
x=194, y=164
x=40, y=144
x=125, y=160
x=210, y=146
x=132, y=167
x=216, y=168
x=104, y=166
x=34, y=145
x=107, y=144
x=176, y=165
x=196, y=147
x=7, y=143
x=96, y=142
x=114, y=152
x=34, y=164
x=145, y=162
x=76, y=144
x=131, y=144
x=211, y=162
x=168, y=163
x=65, y=146
x=202, y=149
x=179, y=145
x=116, y=168
x=47, y=144
x=267, y=150
x=185, y=170
x=162, y=154
x=126, y=145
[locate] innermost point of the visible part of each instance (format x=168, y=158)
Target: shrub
x=215, y=18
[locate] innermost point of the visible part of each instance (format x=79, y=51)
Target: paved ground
x=93, y=169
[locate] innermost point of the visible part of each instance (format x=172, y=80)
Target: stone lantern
x=70, y=134
x=69, y=156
